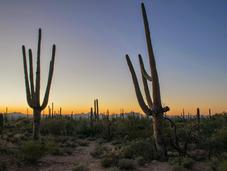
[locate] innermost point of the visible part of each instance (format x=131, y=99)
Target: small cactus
x=60, y=111
x=96, y=109
x=1, y=120
x=198, y=118
x=52, y=110
x=91, y=114
x=49, y=111
x=210, y=113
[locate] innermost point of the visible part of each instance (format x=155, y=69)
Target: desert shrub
x=187, y=163
x=178, y=168
x=217, y=144
x=66, y=151
x=107, y=162
x=113, y=169
x=214, y=164
x=52, y=148
x=99, y=151
x=32, y=151
x=140, y=160
x=140, y=148
x=80, y=167
x=175, y=160
x=223, y=166
x=131, y=128
x=126, y=164
x=55, y=127
x=181, y=163
x=3, y=166
x=83, y=143
x=110, y=159
x=69, y=127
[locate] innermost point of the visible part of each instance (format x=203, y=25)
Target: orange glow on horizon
x=113, y=110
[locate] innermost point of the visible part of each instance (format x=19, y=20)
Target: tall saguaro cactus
x=33, y=90
x=154, y=105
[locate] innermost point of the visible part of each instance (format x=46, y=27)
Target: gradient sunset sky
x=92, y=38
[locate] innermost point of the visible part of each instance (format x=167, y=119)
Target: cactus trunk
x=36, y=124
x=158, y=137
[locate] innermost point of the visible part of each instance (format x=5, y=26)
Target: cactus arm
x=145, y=85
x=37, y=88
x=28, y=94
x=139, y=96
x=154, y=73
x=143, y=70
x=31, y=75
x=51, y=71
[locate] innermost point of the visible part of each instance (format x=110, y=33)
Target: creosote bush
x=32, y=151
x=80, y=167
x=111, y=158
x=140, y=148
x=127, y=164
x=223, y=166
x=3, y=166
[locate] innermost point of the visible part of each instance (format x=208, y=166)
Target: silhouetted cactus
x=108, y=114
x=198, y=117
x=96, y=109
x=1, y=120
x=33, y=90
x=154, y=107
x=183, y=115
x=49, y=112
x=60, y=111
x=52, y=110
x=210, y=113
x=122, y=113
x=91, y=114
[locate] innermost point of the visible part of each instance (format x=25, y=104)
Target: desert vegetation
x=100, y=141
x=118, y=143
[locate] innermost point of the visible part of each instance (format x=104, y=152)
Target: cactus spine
x=154, y=107
x=33, y=91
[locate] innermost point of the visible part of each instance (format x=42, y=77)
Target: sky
x=92, y=37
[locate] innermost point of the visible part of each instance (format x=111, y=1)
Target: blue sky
x=92, y=38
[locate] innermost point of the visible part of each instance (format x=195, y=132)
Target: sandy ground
x=81, y=155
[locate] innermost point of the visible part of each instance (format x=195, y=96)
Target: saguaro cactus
x=33, y=91
x=1, y=120
x=96, y=109
x=52, y=109
x=198, y=117
x=210, y=113
x=153, y=107
x=49, y=111
x=91, y=114
x=60, y=111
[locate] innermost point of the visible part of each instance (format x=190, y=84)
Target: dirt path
x=81, y=155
